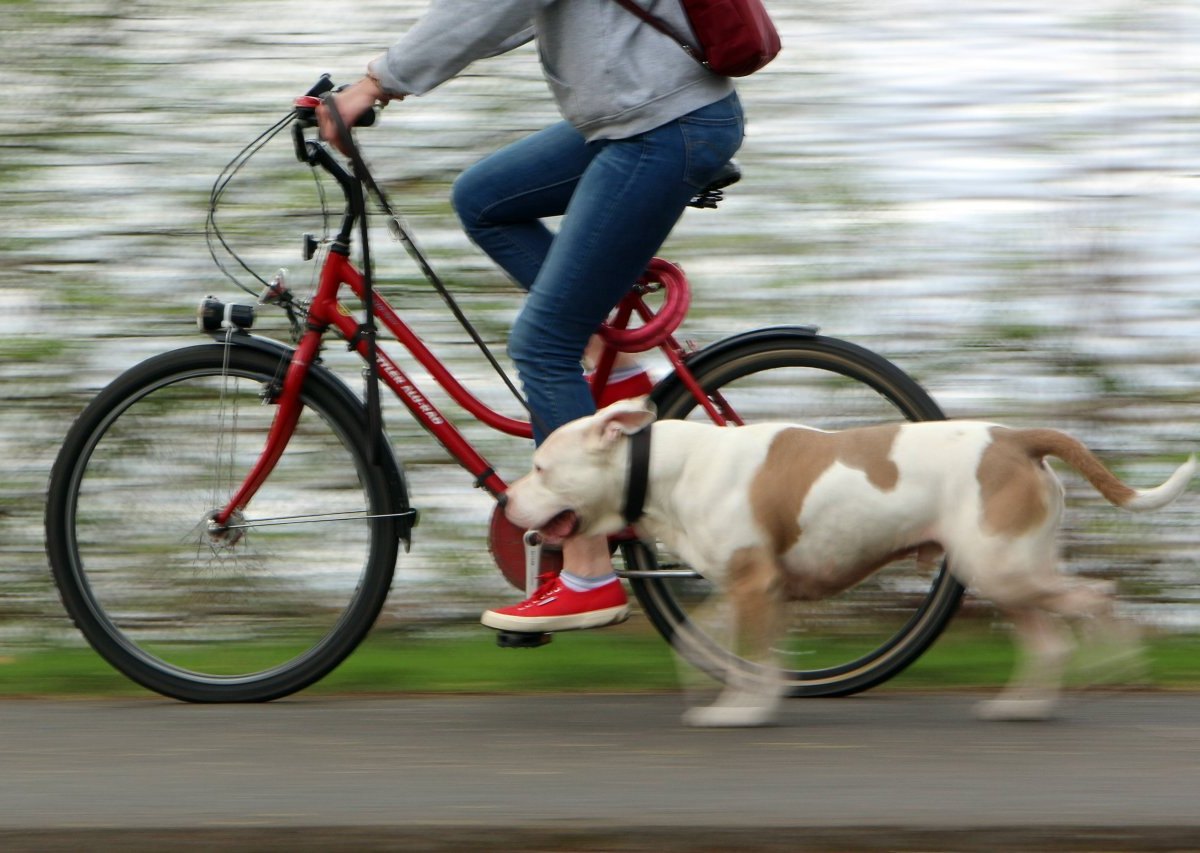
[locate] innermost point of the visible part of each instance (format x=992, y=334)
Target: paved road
x=609, y=772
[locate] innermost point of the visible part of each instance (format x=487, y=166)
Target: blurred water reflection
x=1001, y=197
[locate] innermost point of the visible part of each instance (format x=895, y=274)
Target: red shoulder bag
x=736, y=37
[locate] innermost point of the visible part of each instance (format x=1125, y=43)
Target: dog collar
x=639, y=475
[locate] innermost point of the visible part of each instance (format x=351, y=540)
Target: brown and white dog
x=774, y=510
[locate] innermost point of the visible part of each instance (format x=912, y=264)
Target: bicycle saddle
x=729, y=175
x=712, y=194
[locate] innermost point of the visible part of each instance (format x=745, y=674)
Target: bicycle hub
x=214, y=314
x=225, y=535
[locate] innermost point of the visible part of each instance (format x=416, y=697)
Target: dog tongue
x=560, y=527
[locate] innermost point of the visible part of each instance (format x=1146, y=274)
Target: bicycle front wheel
x=852, y=641
x=251, y=613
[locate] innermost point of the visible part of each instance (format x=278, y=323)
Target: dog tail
x=1147, y=499
x=1049, y=442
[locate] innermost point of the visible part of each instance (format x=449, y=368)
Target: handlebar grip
x=307, y=103
x=323, y=85
x=366, y=119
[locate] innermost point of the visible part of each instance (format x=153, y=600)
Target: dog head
x=577, y=484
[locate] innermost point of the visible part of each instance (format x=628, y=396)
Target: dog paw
x=1015, y=710
x=729, y=717
x=735, y=709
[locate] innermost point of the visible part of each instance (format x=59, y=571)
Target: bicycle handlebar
x=305, y=111
x=317, y=153
x=306, y=105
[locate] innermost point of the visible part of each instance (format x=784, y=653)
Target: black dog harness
x=638, y=480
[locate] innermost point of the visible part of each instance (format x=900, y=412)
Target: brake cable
x=211, y=229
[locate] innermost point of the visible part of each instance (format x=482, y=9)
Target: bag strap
x=666, y=29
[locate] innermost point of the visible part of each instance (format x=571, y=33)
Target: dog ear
x=621, y=418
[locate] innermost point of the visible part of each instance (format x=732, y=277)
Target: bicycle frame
x=325, y=311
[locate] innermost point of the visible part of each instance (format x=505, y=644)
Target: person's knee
x=539, y=352
x=522, y=343
x=465, y=199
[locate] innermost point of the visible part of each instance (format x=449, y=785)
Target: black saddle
x=711, y=195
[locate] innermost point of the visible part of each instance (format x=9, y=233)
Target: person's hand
x=351, y=103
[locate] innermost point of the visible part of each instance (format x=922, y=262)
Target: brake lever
x=303, y=154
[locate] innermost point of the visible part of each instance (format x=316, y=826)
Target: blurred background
x=1002, y=197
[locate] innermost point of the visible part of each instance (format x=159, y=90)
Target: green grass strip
x=628, y=658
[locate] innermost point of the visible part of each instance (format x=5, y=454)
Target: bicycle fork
x=282, y=428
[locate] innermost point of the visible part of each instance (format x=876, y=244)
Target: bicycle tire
x=244, y=618
x=852, y=641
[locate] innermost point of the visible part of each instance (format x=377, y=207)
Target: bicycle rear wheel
x=251, y=614
x=852, y=641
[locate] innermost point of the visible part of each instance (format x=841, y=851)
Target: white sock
x=621, y=372
x=625, y=372
x=578, y=584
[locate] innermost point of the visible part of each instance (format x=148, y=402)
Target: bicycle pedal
x=522, y=639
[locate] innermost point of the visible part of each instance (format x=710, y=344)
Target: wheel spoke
x=314, y=518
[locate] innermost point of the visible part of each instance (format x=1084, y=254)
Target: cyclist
x=645, y=126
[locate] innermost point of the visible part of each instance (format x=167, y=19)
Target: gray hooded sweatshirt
x=612, y=75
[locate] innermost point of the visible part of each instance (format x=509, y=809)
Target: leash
x=367, y=329
x=638, y=480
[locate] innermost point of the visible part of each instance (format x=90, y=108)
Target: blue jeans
x=619, y=199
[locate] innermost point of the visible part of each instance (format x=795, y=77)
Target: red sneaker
x=637, y=385
x=556, y=607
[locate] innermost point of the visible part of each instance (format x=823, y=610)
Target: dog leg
x=750, y=697
x=709, y=623
x=1032, y=694
x=747, y=701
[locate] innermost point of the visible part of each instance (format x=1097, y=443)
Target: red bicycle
x=223, y=520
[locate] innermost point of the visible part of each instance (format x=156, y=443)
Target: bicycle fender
x=392, y=468
x=768, y=335
x=772, y=336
